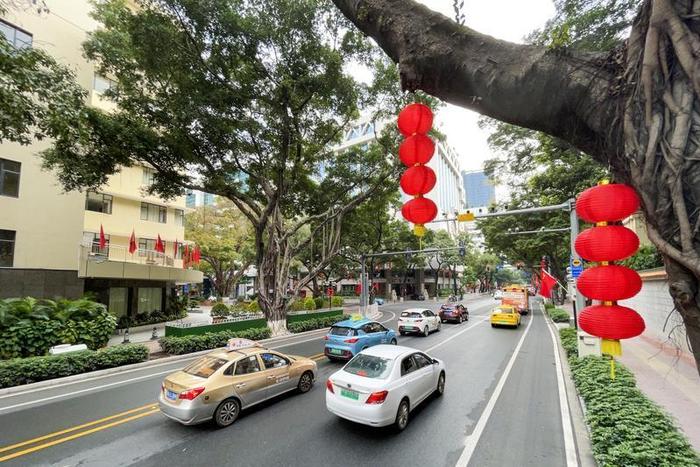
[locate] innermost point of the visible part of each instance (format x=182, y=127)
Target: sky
x=509, y=20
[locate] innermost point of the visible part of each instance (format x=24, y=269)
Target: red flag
x=197, y=254
x=103, y=240
x=175, y=249
x=132, y=243
x=160, y=247
x=185, y=256
x=548, y=283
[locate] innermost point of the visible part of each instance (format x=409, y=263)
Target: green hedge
x=317, y=323
x=558, y=315
x=626, y=427
x=337, y=313
x=212, y=340
x=173, y=331
x=30, y=370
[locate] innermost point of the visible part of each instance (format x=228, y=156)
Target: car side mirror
x=435, y=361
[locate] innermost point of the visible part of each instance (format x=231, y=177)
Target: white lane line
x=569, y=444
x=81, y=391
x=471, y=441
x=441, y=343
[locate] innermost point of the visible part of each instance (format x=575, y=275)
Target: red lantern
x=418, y=180
x=612, y=202
x=419, y=210
x=416, y=149
x=611, y=322
x=607, y=243
x=609, y=283
x=415, y=119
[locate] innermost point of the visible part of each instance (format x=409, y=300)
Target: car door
x=276, y=371
x=410, y=379
x=382, y=333
x=370, y=336
x=425, y=374
x=429, y=316
x=249, y=382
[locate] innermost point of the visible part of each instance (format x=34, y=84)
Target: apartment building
x=49, y=239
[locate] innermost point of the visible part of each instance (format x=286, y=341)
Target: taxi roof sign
x=237, y=343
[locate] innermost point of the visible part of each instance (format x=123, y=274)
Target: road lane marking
x=471, y=440
x=78, y=427
x=443, y=342
x=77, y=435
x=569, y=444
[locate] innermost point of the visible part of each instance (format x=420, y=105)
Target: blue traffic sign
x=576, y=266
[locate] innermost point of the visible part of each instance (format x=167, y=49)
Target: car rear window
x=413, y=314
x=369, y=366
x=502, y=310
x=204, y=367
x=342, y=331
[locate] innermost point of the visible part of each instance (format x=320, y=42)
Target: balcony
x=115, y=262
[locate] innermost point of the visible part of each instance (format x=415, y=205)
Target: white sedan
x=419, y=320
x=381, y=385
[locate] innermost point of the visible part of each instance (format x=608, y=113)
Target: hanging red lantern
x=416, y=149
x=607, y=243
x=611, y=322
x=418, y=180
x=419, y=210
x=607, y=202
x=415, y=119
x=609, y=283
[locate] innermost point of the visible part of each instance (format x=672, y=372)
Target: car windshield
x=412, y=314
x=204, y=367
x=369, y=366
x=342, y=331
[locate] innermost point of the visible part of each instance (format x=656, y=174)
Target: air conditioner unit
x=587, y=344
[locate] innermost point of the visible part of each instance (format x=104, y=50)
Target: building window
x=148, y=176
x=98, y=202
x=149, y=299
x=146, y=245
x=15, y=36
x=92, y=240
x=180, y=217
x=9, y=178
x=154, y=213
x=101, y=84
x=7, y=248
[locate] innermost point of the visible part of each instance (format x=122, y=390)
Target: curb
x=136, y=366
x=576, y=407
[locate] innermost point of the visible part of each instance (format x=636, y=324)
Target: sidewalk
x=667, y=376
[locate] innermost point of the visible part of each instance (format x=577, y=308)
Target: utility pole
x=579, y=302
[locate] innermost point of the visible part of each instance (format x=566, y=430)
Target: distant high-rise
x=478, y=188
x=195, y=199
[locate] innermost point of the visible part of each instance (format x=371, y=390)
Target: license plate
x=170, y=395
x=354, y=395
x=408, y=327
x=336, y=351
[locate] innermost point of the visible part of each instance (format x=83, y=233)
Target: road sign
x=576, y=267
x=466, y=217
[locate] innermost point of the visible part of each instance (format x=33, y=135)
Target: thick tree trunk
x=634, y=109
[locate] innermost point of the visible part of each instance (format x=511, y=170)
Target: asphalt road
x=500, y=408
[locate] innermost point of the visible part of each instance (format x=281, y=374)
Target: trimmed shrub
x=548, y=306
x=626, y=427
x=30, y=370
x=558, y=315
x=337, y=301
x=210, y=340
x=320, y=302
x=317, y=323
x=297, y=305
x=309, y=304
x=219, y=310
x=254, y=306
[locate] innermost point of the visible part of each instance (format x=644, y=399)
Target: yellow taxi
x=505, y=315
x=220, y=384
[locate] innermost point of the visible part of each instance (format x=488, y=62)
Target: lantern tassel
x=612, y=367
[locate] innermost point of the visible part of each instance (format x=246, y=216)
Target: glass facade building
x=479, y=189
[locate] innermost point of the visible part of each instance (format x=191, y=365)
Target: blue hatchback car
x=347, y=338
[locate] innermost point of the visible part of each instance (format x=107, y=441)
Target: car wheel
x=459, y=320
x=439, y=326
x=402, y=333
x=466, y=317
x=227, y=412
x=402, y=416
x=426, y=331
x=393, y=342
x=493, y=325
x=440, y=384
x=305, y=382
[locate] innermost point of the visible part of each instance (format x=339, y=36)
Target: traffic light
x=462, y=249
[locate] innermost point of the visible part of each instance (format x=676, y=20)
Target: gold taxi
x=505, y=315
x=220, y=384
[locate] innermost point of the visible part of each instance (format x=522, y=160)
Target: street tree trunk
x=634, y=109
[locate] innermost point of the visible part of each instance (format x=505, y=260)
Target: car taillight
x=191, y=394
x=329, y=386
x=377, y=397
x=352, y=340
x=326, y=338
x=419, y=321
